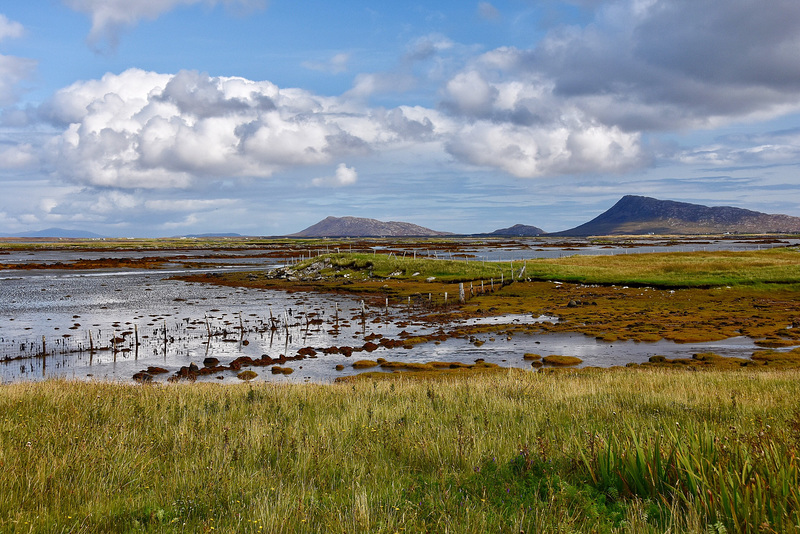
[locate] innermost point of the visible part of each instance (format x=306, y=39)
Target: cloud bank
x=142, y=129
x=582, y=101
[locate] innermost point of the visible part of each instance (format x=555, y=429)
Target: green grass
x=409, y=268
x=675, y=269
x=618, y=451
x=661, y=270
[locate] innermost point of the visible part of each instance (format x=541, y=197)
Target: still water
x=65, y=313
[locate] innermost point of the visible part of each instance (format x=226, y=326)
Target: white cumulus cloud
x=344, y=176
x=143, y=129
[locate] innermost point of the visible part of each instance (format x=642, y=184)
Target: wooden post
x=461, y=297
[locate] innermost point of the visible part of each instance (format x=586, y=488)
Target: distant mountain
x=636, y=215
x=358, y=227
x=519, y=230
x=200, y=236
x=56, y=232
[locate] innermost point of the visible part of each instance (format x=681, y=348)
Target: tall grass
x=747, y=483
x=590, y=452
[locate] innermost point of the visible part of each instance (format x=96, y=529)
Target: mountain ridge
x=363, y=227
x=56, y=233
x=518, y=230
x=638, y=215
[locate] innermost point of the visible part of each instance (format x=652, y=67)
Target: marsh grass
x=510, y=452
x=699, y=269
x=401, y=268
x=675, y=269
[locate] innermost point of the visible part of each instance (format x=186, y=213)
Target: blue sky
x=167, y=117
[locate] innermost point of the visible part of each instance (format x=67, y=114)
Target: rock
x=143, y=376
x=211, y=361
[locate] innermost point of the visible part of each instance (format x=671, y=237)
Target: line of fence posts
x=461, y=289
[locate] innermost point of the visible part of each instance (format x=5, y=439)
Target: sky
x=262, y=117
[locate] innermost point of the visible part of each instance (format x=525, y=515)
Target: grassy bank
x=621, y=451
x=675, y=269
x=699, y=269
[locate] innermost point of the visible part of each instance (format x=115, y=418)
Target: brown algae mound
x=247, y=375
x=775, y=359
x=364, y=364
x=561, y=360
x=701, y=361
x=428, y=370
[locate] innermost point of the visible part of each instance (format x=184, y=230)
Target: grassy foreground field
x=618, y=451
